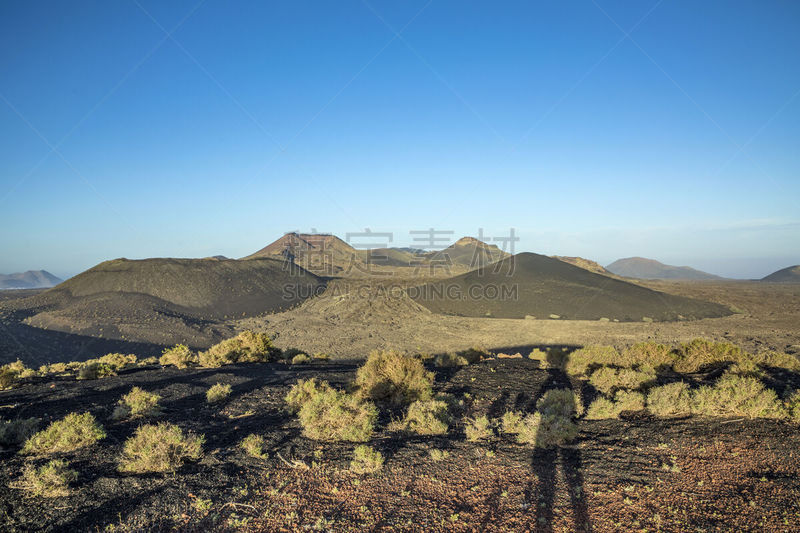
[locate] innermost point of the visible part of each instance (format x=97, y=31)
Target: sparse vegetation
x=450, y=360
x=16, y=432
x=95, y=370
x=159, y=448
x=478, y=428
x=366, y=460
x=137, y=403
x=700, y=353
x=734, y=395
x=118, y=361
x=393, y=378
x=51, y=480
x=246, y=347
x=673, y=399
x=331, y=415
x=218, y=392
x=303, y=391
x=438, y=455
x=179, y=355
x=611, y=408
x=560, y=402
x=591, y=357
x=72, y=432
x=427, y=417
x=254, y=446
x=301, y=359
x=608, y=379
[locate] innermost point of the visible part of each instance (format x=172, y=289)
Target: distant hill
x=469, y=252
x=586, y=264
x=542, y=286
x=785, y=275
x=32, y=279
x=643, y=268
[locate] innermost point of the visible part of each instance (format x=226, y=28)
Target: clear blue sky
x=602, y=129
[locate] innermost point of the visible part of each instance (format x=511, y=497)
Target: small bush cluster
x=450, y=360
x=254, y=446
x=673, y=399
x=179, y=355
x=612, y=407
x=609, y=379
x=392, y=378
x=301, y=359
x=11, y=373
x=366, y=460
x=590, y=357
x=72, y=432
x=478, y=428
x=793, y=405
x=119, y=361
x=159, y=448
x=218, y=392
x=734, y=395
x=94, y=369
x=51, y=480
x=246, y=347
x=137, y=403
x=427, y=417
x=16, y=432
x=328, y=414
x=551, y=425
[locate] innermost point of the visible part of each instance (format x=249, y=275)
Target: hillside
x=530, y=284
x=32, y=279
x=643, y=268
x=785, y=275
x=586, y=264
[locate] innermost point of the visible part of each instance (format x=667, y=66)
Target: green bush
x=651, y=354
x=72, y=432
x=94, y=369
x=48, y=481
x=589, y=357
x=510, y=422
x=545, y=430
x=450, y=360
x=478, y=428
x=159, y=448
x=734, y=395
x=438, y=455
x=179, y=355
x=331, y=415
x=700, y=353
x=8, y=378
x=366, y=460
x=778, y=360
x=609, y=379
x=560, y=402
x=673, y=399
x=15, y=432
x=623, y=401
x=793, y=405
x=119, y=361
x=301, y=359
x=254, y=446
x=393, y=378
x=246, y=347
x=302, y=391
x=427, y=417
x=137, y=403
x=218, y=392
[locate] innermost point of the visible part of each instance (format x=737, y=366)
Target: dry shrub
x=366, y=460
x=623, y=401
x=509, y=422
x=793, y=405
x=700, y=353
x=246, y=347
x=734, y=395
x=427, y=417
x=478, y=428
x=545, y=430
x=302, y=391
x=560, y=402
x=474, y=355
x=179, y=355
x=438, y=455
x=254, y=446
x=450, y=360
x=393, y=378
x=331, y=415
x=8, y=377
x=609, y=379
x=159, y=448
x=94, y=369
x=218, y=392
x=778, y=360
x=55, y=368
x=15, y=432
x=589, y=357
x=652, y=354
x=48, y=481
x=137, y=403
x=119, y=361
x=301, y=359
x=673, y=399
x=72, y=432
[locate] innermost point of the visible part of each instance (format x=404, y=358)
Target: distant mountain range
x=643, y=268
x=785, y=275
x=32, y=279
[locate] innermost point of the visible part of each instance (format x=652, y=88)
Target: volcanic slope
x=529, y=284
x=789, y=274
x=643, y=268
x=32, y=279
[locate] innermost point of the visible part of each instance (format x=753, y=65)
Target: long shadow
x=545, y=461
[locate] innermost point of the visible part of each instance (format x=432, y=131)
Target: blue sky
x=602, y=129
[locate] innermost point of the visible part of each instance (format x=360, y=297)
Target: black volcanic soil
x=536, y=285
x=620, y=475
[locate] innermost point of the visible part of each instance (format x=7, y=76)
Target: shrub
x=218, y=392
x=148, y=361
x=393, y=378
x=15, y=432
x=439, y=455
x=579, y=361
x=246, y=347
x=8, y=378
x=94, y=369
x=450, y=360
x=623, y=401
x=55, y=368
x=474, y=355
x=137, y=403
x=778, y=360
x=179, y=355
x=510, y=422
x=48, y=481
x=545, y=430
x=159, y=448
x=609, y=379
x=301, y=359
x=303, y=391
x=652, y=354
x=118, y=361
x=699, y=353
x=669, y=400
x=793, y=405
x=560, y=402
x=734, y=395
x=254, y=446
x=366, y=460
x=332, y=415
x=427, y=417
x=72, y=432
x=478, y=428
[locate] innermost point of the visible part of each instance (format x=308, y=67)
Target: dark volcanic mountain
x=541, y=286
x=643, y=268
x=785, y=275
x=32, y=279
